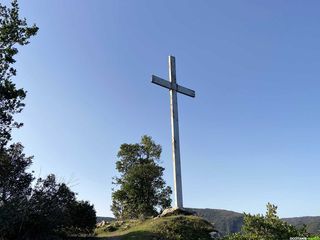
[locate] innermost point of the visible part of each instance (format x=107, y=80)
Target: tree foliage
x=266, y=227
x=14, y=180
x=49, y=205
x=15, y=188
x=54, y=210
x=49, y=208
x=83, y=218
x=14, y=31
x=142, y=191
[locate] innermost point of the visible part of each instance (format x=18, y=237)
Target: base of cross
x=176, y=211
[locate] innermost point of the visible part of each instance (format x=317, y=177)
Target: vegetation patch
x=184, y=227
x=167, y=228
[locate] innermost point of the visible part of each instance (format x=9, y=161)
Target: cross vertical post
x=175, y=134
x=174, y=88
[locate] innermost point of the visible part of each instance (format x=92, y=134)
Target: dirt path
x=107, y=238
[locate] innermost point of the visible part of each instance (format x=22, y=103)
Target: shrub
x=184, y=227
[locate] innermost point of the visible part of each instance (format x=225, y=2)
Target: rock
x=118, y=223
x=175, y=211
x=214, y=234
x=102, y=223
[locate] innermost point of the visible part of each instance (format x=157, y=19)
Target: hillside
x=171, y=228
x=223, y=220
x=227, y=222
x=313, y=223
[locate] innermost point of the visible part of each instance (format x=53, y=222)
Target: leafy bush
x=184, y=228
x=268, y=227
x=314, y=238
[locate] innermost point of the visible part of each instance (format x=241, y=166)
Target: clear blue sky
x=250, y=136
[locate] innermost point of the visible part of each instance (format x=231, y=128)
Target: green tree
x=15, y=189
x=142, y=191
x=266, y=227
x=13, y=31
x=15, y=182
x=83, y=218
x=49, y=208
x=54, y=211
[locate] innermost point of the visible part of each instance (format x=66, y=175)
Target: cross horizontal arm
x=164, y=83
x=186, y=91
x=161, y=82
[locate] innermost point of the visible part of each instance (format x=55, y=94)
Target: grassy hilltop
x=225, y=222
x=172, y=228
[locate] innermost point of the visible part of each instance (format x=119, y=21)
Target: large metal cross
x=174, y=88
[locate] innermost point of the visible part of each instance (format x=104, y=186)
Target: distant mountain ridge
x=312, y=223
x=227, y=222
x=107, y=219
x=224, y=221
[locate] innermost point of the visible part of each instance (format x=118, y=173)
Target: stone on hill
x=102, y=223
x=215, y=234
x=176, y=211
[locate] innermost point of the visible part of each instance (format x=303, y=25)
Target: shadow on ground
x=138, y=235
